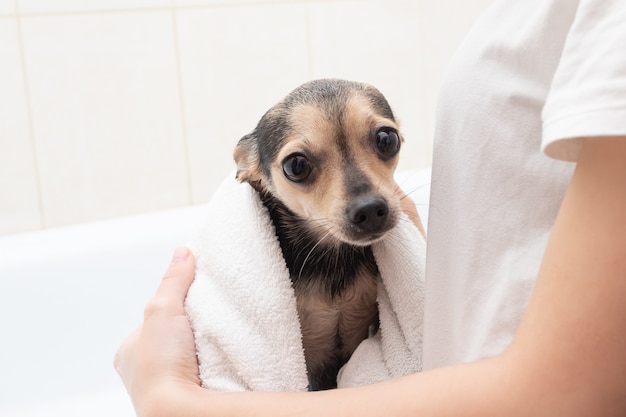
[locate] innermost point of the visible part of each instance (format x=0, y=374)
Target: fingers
x=163, y=346
x=409, y=208
x=175, y=282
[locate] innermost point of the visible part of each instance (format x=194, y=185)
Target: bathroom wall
x=115, y=107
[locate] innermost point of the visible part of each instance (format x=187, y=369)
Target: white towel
x=242, y=306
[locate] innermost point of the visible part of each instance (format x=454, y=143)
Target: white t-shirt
x=530, y=78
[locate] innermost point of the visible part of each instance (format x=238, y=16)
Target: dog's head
x=328, y=152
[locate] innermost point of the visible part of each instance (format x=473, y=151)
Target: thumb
x=178, y=277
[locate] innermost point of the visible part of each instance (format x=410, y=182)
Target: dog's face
x=328, y=152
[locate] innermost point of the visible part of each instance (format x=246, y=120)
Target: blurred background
x=116, y=107
x=117, y=121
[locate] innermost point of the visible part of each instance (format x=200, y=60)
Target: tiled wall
x=116, y=107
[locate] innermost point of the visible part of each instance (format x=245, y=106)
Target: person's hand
x=159, y=358
x=408, y=207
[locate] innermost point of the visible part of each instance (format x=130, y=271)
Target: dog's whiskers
x=310, y=252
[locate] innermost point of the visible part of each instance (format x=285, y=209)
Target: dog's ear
x=247, y=159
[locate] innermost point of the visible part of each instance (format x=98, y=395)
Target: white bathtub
x=69, y=296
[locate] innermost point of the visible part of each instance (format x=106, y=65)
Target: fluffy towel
x=243, y=313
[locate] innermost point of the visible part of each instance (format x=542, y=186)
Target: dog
x=322, y=161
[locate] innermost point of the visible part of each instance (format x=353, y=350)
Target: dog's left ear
x=247, y=158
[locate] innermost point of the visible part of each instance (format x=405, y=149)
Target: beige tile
x=377, y=42
x=7, y=7
x=19, y=202
x=106, y=114
x=442, y=33
x=47, y=6
x=230, y=2
x=236, y=63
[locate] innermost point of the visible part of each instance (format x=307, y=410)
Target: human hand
x=408, y=207
x=159, y=358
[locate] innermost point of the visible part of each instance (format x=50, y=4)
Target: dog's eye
x=387, y=142
x=296, y=167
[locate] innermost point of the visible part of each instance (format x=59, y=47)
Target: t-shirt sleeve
x=587, y=97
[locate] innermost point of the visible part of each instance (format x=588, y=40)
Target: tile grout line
x=173, y=7
x=183, y=114
x=309, y=41
x=29, y=115
x=422, y=69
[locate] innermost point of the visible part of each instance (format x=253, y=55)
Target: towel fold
x=242, y=307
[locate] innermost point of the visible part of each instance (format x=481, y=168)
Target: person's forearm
x=478, y=389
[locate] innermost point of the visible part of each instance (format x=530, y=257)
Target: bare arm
x=572, y=342
x=567, y=358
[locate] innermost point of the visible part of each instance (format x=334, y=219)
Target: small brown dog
x=323, y=161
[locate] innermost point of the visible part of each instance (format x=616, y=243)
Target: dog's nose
x=369, y=214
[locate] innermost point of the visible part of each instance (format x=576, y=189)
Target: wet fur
x=331, y=264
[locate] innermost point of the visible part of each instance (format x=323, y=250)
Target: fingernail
x=180, y=254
